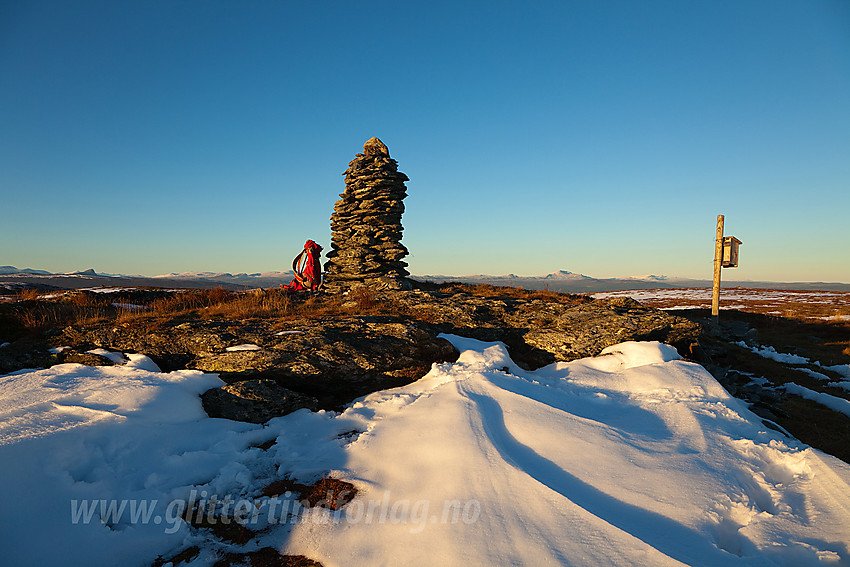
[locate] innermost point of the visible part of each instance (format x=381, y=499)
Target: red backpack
x=307, y=268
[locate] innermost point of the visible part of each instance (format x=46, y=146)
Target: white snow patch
x=633, y=354
x=238, y=348
x=634, y=457
x=290, y=333
x=843, y=369
x=77, y=435
x=832, y=402
x=59, y=349
x=141, y=362
x=130, y=306
x=770, y=352
x=793, y=359
x=115, y=357
x=629, y=458
x=814, y=374
x=108, y=289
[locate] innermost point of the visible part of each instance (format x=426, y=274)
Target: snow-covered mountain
x=226, y=276
x=242, y=279
x=571, y=282
x=563, y=280
x=13, y=270
x=654, y=278
x=90, y=272
x=15, y=278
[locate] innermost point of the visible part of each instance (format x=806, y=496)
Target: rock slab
x=254, y=401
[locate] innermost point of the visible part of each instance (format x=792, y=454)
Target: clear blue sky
x=600, y=137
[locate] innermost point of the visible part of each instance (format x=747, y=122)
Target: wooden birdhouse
x=730, y=251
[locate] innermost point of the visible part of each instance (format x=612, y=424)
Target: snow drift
x=633, y=457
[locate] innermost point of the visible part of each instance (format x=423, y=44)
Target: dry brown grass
x=28, y=294
x=365, y=302
x=327, y=492
x=153, y=309
x=365, y=298
x=210, y=304
x=251, y=305
x=494, y=292
x=43, y=315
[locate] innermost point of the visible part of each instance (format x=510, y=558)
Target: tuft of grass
x=365, y=299
x=28, y=294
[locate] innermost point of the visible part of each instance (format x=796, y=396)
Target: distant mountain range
x=580, y=283
x=251, y=281
x=14, y=278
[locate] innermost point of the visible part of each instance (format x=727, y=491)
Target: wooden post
x=718, y=262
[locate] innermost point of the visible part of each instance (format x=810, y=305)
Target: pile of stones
x=366, y=225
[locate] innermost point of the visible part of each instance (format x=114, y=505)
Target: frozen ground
x=834, y=403
x=828, y=305
x=633, y=457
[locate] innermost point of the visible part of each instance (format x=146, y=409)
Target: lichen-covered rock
x=87, y=358
x=585, y=330
x=540, y=332
x=234, y=363
x=366, y=248
x=171, y=348
x=254, y=401
x=334, y=359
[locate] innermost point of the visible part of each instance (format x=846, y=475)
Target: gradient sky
x=600, y=137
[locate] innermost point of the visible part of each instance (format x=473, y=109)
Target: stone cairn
x=366, y=225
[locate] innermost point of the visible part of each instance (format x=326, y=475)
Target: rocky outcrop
x=336, y=360
x=328, y=361
x=87, y=359
x=366, y=225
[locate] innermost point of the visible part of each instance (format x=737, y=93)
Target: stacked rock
x=366, y=225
